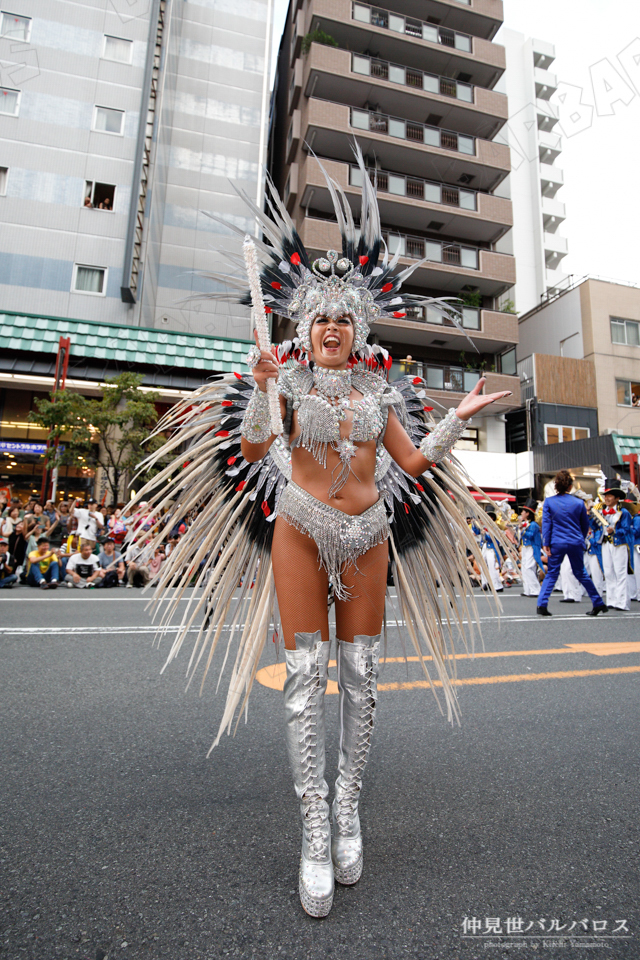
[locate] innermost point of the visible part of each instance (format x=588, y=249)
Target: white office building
x=536, y=176
x=121, y=125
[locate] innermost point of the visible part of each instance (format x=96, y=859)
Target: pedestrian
x=43, y=566
x=7, y=565
x=83, y=569
x=90, y=520
x=531, y=541
x=564, y=529
x=112, y=565
x=617, y=546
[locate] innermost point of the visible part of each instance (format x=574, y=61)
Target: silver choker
x=332, y=384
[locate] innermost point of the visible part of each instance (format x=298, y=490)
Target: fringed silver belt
x=340, y=537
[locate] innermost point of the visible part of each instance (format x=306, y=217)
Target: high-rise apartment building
x=413, y=83
x=121, y=125
x=536, y=176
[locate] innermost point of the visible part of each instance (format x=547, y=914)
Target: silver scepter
x=260, y=320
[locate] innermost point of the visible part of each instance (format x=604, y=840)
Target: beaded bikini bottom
x=340, y=537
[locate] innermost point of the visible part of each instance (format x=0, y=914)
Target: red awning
x=493, y=496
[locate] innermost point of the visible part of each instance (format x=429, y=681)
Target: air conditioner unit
x=610, y=431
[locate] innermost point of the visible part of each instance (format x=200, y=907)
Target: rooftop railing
x=418, y=29
x=417, y=189
x=415, y=132
x=410, y=77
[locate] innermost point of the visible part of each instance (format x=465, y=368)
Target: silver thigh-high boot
x=304, y=691
x=358, y=687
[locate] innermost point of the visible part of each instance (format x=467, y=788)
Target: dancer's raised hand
x=474, y=401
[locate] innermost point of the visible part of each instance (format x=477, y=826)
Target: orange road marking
x=512, y=678
x=274, y=676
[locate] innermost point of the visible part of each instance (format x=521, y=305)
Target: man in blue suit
x=564, y=528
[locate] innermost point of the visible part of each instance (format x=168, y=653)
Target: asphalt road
x=121, y=840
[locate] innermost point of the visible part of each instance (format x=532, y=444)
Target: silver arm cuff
x=437, y=444
x=256, y=423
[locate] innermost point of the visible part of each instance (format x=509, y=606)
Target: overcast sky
x=600, y=162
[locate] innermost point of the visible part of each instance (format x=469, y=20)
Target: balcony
x=549, y=146
x=414, y=148
x=553, y=214
x=448, y=384
x=551, y=179
x=410, y=203
x=546, y=83
x=555, y=248
x=399, y=90
x=360, y=28
x=450, y=265
x=543, y=54
x=546, y=115
x=490, y=330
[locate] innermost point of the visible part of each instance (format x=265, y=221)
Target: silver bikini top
x=319, y=420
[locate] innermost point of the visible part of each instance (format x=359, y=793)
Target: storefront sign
x=7, y=446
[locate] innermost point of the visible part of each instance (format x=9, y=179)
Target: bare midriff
x=359, y=492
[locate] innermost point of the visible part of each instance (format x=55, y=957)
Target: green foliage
x=508, y=307
x=471, y=298
x=317, y=36
x=108, y=432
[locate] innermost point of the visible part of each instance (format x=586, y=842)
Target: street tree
x=107, y=432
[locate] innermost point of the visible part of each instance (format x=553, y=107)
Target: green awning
x=143, y=345
x=625, y=445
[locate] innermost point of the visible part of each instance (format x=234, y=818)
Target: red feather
x=295, y=258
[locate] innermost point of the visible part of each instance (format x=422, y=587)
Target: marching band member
x=564, y=528
x=617, y=547
x=492, y=558
x=593, y=558
x=636, y=554
x=531, y=541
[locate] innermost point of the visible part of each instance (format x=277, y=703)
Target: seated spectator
x=33, y=531
x=112, y=565
x=63, y=524
x=90, y=520
x=83, y=569
x=156, y=563
x=137, y=557
x=50, y=511
x=18, y=546
x=8, y=524
x=43, y=566
x=15, y=502
x=7, y=566
x=38, y=514
x=66, y=551
x=117, y=526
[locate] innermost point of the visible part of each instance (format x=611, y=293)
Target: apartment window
x=508, y=363
x=558, y=434
x=625, y=331
x=468, y=440
x=107, y=120
x=91, y=280
x=100, y=196
x=628, y=392
x=14, y=27
x=115, y=48
x=4, y=176
x=9, y=101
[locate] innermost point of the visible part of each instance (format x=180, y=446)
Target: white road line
x=46, y=631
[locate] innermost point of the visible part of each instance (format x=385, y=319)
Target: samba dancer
x=339, y=484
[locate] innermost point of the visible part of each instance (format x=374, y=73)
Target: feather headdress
x=351, y=282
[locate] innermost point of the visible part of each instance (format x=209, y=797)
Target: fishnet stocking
x=302, y=588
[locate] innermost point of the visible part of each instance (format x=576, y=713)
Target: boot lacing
x=315, y=808
x=347, y=797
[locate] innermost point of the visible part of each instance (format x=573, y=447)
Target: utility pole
x=62, y=363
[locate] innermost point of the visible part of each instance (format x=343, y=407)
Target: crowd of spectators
x=79, y=545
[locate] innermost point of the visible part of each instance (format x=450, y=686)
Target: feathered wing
x=428, y=547
x=229, y=542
